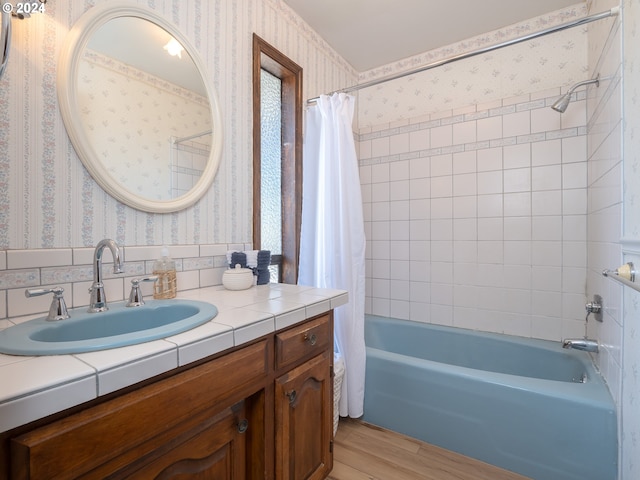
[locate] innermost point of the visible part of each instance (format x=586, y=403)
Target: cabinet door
x=304, y=421
x=215, y=450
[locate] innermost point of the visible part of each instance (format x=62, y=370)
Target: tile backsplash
x=72, y=268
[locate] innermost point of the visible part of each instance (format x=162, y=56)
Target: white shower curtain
x=332, y=244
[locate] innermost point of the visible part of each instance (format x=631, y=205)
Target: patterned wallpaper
x=48, y=199
x=630, y=466
x=547, y=62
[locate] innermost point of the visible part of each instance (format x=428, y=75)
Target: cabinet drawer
x=302, y=341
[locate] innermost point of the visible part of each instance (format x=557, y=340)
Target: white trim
x=630, y=246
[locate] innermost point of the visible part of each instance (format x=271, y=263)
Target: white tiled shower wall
x=477, y=217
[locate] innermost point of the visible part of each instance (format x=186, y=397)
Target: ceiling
x=138, y=42
x=372, y=33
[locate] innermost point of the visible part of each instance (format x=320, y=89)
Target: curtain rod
x=582, y=21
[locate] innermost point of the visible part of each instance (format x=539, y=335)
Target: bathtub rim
x=593, y=391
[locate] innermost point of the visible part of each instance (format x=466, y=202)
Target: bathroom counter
x=35, y=387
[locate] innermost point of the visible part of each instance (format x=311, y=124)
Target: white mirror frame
x=67, y=81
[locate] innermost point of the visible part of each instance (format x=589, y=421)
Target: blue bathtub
x=525, y=405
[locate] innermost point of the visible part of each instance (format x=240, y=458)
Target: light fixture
x=174, y=48
x=563, y=102
x=22, y=10
x=5, y=39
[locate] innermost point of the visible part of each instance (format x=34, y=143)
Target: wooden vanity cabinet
x=158, y=427
x=259, y=412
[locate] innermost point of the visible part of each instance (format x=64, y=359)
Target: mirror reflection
x=144, y=108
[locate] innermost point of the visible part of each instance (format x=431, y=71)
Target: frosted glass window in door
x=271, y=166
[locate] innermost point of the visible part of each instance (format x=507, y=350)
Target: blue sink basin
x=117, y=327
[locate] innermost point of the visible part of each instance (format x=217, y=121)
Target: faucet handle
x=135, y=297
x=594, y=307
x=58, y=309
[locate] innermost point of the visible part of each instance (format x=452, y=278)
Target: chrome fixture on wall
x=594, y=307
x=563, y=102
x=586, y=344
x=583, y=344
x=625, y=274
x=21, y=10
x=5, y=39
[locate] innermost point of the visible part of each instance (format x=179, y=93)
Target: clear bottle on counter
x=165, y=269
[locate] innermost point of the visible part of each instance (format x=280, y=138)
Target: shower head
x=563, y=102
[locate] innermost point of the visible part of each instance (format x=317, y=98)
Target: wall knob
x=594, y=307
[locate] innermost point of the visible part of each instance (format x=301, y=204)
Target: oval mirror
x=137, y=108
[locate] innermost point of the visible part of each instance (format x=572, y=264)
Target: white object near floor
x=338, y=375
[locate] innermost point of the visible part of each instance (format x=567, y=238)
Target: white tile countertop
x=34, y=387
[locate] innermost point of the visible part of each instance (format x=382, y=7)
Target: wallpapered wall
x=558, y=59
x=614, y=213
x=47, y=198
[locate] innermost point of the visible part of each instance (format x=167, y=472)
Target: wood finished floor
x=366, y=452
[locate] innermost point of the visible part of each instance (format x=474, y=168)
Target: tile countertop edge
x=285, y=304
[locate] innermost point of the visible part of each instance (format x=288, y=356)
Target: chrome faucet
x=98, y=301
x=580, y=344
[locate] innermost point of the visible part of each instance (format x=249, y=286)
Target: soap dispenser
x=165, y=269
